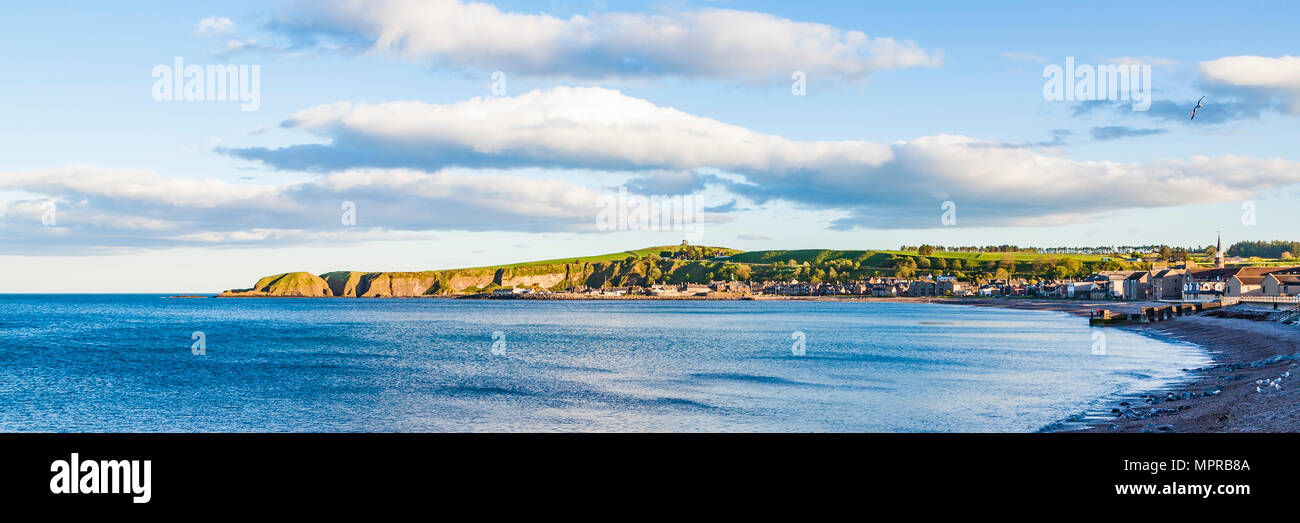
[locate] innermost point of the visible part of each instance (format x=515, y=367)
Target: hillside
x=613, y=269
x=680, y=264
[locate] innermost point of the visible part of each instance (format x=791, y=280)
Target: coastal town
x=1228, y=279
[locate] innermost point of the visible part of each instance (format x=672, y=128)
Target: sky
x=413, y=135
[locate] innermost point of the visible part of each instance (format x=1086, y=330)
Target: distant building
x=1281, y=284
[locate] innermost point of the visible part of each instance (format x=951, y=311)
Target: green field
x=1018, y=256
x=600, y=258
x=877, y=258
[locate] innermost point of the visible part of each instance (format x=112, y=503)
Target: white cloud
x=573, y=127
x=101, y=209
x=718, y=43
x=214, y=26
x=882, y=185
x=1254, y=71
x=1259, y=75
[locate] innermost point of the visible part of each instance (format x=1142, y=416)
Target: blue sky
x=170, y=196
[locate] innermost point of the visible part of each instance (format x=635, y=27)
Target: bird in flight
x=1198, y=106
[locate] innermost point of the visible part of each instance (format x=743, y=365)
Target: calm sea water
x=124, y=363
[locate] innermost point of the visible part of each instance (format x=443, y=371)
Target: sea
x=150, y=363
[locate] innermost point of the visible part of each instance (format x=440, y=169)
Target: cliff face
x=548, y=276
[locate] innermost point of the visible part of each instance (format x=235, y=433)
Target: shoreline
x=1220, y=397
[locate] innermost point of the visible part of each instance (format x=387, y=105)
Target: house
x=693, y=289
x=1137, y=286
x=1167, y=284
x=949, y=286
x=1207, y=284
x=923, y=288
x=507, y=291
x=1281, y=284
x=1249, y=281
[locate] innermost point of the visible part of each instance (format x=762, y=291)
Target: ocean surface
x=115, y=363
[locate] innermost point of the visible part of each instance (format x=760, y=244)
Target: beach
x=1243, y=350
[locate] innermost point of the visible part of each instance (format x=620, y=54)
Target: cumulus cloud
x=214, y=26
x=896, y=185
x=565, y=127
x=101, y=209
x=712, y=43
x=1259, y=77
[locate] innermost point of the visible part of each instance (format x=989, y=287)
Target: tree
x=1286, y=255
x=1166, y=253
x=1211, y=251
x=939, y=263
x=925, y=250
x=1007, y=262
x=923, y=263
x=1072, y=266
x=1060, y=272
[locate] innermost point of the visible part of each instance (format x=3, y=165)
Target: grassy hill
x=697, y=264
x=611, y=257
x=877, y=258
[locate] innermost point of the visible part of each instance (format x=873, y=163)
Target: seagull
x=1198, y=106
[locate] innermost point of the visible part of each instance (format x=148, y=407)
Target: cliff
x=618, y=269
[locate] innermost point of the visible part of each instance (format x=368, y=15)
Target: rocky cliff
x=548, y=276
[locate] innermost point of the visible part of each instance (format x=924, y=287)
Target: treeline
x=1273, y=249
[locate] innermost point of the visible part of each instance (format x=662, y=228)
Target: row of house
x=1177, y=284
x=1184, y=284
x=885, y=287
